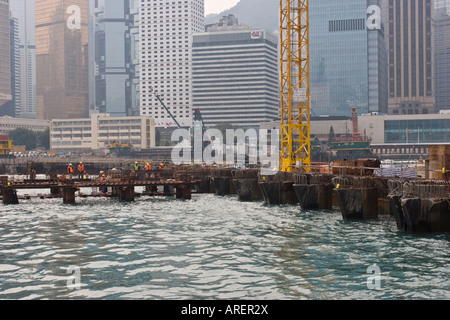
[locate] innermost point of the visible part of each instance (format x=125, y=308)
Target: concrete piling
x=222, y=180
x=69, y=195
x=307, y=196
x=278, y=188
x=126, y=194
x=314, y=192
x=247, y=189
x=9, y=196
x=357, y=197
x=222, y=186
x=246, y=185
x=184, y=192
x=426, y=215
x=422, y=207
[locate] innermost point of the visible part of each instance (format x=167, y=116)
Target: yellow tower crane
x=295, y=93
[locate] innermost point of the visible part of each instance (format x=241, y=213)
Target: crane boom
x=167, y=109
x=295, y=91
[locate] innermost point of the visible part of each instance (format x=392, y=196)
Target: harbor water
x=211, y=247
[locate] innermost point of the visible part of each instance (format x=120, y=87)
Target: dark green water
x=210, y=247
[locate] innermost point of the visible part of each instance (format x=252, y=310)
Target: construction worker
x=161, y=165
x=102, y=179
x=137, y=167
x=148, y=167
x=80, y=170
x=70, y=170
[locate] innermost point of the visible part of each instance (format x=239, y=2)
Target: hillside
x=260, y=14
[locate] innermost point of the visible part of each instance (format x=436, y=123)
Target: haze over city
x=115, y=60
x=217, y=6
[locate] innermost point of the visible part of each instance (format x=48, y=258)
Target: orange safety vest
x=69, y=169
x=80, y=168
x=148, y=168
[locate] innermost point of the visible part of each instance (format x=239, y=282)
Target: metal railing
x=426, y=189
x=312, y=179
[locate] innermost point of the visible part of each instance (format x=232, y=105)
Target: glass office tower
x=348, y=57
x=62, y=82
x=113, y=57
x=12, y=108
x=25, y=100
x=442, y=53
x=5, y=69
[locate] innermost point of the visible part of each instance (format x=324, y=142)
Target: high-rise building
x=348, y=57
x=25, y=100
x=442, y=53
x=166, y=29
x=5, y=64
x=12, y=107
x=410, y=56
x=114, y=62
x=235, y=74
x=62, y=82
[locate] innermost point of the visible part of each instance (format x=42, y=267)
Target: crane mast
x=295, y=92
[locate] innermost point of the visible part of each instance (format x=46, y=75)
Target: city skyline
x=141, y=53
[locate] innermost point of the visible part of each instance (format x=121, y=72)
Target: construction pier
x=116, y=184
x=359, y=189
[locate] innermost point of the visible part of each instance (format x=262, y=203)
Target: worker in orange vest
x=102, y=179
x=70, y=170
x=148, y=167
x=80, y=170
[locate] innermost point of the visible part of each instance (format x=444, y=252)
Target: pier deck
x=122, y=188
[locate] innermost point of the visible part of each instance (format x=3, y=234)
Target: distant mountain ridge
x=259, y=14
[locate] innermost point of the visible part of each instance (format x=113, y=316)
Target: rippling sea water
x=210, y=247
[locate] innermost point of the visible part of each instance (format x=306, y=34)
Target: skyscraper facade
x=235, y=74
x=348, y=57
x=115, y=63
x=166, y=29
x=5, y=65
x=62, y=82
x=442, y=53
x=12, y=108
x=410, y=56
x=23, y=12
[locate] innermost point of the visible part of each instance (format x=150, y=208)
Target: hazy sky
x=217, y=6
